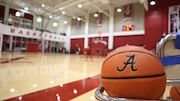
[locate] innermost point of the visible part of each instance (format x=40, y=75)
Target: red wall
x=79, y=42
x=156, y=21
x=32, y=47
x=131, y=40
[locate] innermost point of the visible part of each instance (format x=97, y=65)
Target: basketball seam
x=134, y=77
x=177, y=91
x=130, y=51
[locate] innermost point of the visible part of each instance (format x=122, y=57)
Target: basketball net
x=99, y=39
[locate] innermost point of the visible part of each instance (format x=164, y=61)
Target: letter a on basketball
x=130, y=61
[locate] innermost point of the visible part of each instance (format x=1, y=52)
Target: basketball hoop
x=104, y=42
x=99, y=40
x=96, y=40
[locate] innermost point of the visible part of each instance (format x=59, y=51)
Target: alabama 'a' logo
x=130, y=61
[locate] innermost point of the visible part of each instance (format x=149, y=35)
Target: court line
x=11, y=60
x=63, y=92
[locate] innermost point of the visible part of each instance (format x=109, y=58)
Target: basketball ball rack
x=103, y=97
x=160, y=53
x=162, y=42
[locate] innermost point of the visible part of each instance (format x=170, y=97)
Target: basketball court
x=30, y=74
x=44, y=48
x=24, y=73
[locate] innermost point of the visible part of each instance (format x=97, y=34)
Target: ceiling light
x=39, y=19
x=18, y=14
x=79, y=5
x=63, y=12
x=55, y=24
x=43, y=5
x=152, y=3
x=26, y=8
x=50, y=16
x=78, y=19
x=119, y=10
x=95, y=15
x=65, y=22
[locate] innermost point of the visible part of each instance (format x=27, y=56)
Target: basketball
x=175, y=92
x=133, y=72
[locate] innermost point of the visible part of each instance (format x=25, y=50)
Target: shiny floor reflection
x=62, y=92
x=31, y=73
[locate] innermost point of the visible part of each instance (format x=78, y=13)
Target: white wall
x=137, y=20
x=1, y=42
x=77, y=30
x=93, y=29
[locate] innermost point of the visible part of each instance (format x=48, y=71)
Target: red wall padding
x=32, y=47
x=79, y=42
x=131, y=40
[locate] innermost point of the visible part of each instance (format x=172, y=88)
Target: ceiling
x=55, y=7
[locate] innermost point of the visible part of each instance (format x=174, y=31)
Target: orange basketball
x=133, y=72
x=175, y=92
